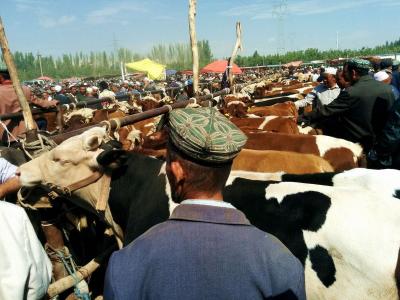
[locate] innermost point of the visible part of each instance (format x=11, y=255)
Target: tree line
x=314, y=54
x=95, y=64
x=175, y=56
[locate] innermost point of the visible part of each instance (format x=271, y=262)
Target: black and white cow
x=385, y=182
x=347, y=239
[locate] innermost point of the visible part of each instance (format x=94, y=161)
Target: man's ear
x=353, y=74
x=177, y=171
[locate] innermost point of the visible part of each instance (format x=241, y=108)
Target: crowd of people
x=207, y=246
x=359, y=105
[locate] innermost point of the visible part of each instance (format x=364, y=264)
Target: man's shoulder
x=12, y=213
x=320, y=88
x=154, y=235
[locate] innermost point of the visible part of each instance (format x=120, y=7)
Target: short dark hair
x=103, y=85
x=386, y=63
x=358, y=70
x=200, y=176
x=5, y=74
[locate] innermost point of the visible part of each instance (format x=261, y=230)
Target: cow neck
x=96, y=175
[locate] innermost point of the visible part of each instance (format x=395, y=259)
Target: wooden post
x=238, y=45
x=193, y=41
x=65, y=283
x=31, y=129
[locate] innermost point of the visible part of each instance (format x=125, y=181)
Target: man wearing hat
x=207, y=249
x=386, y=78
x=324, y=93
x=360, y=111
x=395, y=74
x=59, y=96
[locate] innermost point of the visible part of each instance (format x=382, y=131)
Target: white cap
x=381, y=76
x=330, y=70
x=58, y=88
x=95, y=88
x=89, y=90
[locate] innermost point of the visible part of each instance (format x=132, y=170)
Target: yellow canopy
x=154, y=70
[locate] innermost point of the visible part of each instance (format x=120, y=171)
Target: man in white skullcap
x=59, y=96
x=384, y=77
x=324, y=93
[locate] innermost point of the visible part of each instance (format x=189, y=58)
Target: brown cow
x=287, y=109
x=270, y=161
x=149, y=102
x=341, y=154
x=133, y=136
x=268, y=123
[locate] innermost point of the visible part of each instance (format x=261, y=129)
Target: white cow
x=360, y=233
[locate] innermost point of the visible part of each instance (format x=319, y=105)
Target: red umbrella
x=219, y=66
x=45, y=78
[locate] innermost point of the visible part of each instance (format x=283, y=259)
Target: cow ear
x=92, y=142
x=112, y=158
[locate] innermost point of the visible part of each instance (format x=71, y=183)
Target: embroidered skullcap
x=205, y=135
x=359, y=63
x=381, y=76
x=330, y=70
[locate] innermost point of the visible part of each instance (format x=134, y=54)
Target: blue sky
x=62, y=26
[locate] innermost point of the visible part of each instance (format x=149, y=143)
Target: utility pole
x=115, y=45
x=279, y=12
x=40, y=63
x=337, y=40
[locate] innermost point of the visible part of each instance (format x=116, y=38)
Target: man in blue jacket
x=207, y=249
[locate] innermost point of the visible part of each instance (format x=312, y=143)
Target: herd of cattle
x=340, y=220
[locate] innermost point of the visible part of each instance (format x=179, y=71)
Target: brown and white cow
x=268, y=123
x=341, y=154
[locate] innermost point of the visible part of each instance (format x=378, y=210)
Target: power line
x=279, y=12
x=115, y=43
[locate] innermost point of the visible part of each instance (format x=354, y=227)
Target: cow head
x=73, y=160
x=236, y=105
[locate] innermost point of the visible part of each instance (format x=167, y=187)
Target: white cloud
x=23, y=5
x=48, y=22
x=265, y=10
x=46, y=18
x=107, y=13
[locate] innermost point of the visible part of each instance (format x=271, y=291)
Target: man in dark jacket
x=395, y=74
x=359, y=112
x=386, y=152
x=207, y=249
